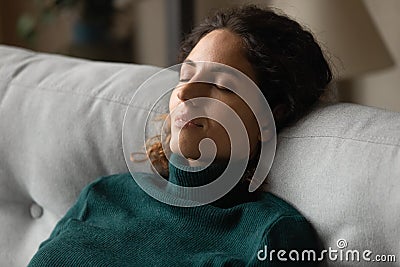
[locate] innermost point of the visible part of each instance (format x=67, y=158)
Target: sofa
x=61, y=121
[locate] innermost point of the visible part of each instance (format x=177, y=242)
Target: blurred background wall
x=380, y=88
x=149, y=32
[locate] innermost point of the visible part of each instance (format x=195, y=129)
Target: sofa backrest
x=61, y=121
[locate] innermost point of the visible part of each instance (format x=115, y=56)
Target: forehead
x=224, y=47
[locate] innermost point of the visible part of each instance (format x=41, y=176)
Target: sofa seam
x=346, y=138
x=61, y=90
x=78, y=93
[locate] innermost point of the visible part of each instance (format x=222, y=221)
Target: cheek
x=250, y=122
x=252, y=129
x=173, y=101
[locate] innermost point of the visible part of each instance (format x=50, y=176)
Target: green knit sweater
x=115, y=223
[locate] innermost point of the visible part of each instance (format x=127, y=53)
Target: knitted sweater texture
x=115, y=223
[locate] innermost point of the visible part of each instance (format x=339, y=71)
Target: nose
x=191, y=90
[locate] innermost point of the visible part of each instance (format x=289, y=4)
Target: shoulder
x=114, y=179
x=275, y=207
x=112, y=194
x=287, y=224
x=116, y=184
x=289, y=228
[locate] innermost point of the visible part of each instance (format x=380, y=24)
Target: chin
x=187, y=150
x=190, y=154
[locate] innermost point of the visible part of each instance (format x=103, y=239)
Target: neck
x=180, y=173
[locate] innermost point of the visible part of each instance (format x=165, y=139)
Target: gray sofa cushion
x=341, y=167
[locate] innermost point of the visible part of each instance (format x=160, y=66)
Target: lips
x=182, y=121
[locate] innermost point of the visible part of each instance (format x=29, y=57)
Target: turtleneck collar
x=183, y=175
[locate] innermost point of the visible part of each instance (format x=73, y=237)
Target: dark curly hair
x=289, y=64
x=290, y=67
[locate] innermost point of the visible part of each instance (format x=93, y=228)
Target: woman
x=115, y=223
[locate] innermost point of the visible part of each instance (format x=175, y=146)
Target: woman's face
x=219, y=46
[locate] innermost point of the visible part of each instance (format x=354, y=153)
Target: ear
x=266, y=135
x=279, y=113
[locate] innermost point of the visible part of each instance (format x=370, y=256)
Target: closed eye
x=223, y=88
